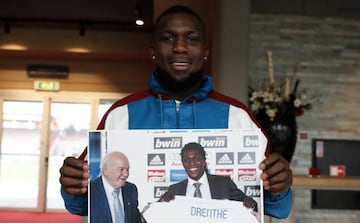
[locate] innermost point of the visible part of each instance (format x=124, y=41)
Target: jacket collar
x=200, y=94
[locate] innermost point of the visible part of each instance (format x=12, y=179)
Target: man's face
x=179, y=46
x=116, y=171
x=194, y=164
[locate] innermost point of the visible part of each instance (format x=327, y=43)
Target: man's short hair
x=194, y=146
x=179, y=9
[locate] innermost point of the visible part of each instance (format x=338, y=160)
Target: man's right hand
x=167, y=196
x=74, y=176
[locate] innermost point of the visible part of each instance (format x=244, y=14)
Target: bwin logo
x=251, y=141
x=252, y=191
x=213, y=141
x=168, y=143
x=159, y=191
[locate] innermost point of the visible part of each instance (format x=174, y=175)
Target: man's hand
x=168, y=196
x=74, y=176
x=276, y=175
x=250, y=203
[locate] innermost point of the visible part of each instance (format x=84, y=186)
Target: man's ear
x=152, y=53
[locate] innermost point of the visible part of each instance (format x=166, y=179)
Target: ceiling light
x=139, y=22
x=139, y=16
x=77, y=50
x=12, y=46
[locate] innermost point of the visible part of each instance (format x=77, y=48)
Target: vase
x=282, y=133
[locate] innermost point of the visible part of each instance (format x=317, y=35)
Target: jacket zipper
x=177, y=107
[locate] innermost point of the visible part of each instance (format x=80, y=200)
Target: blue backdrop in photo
x=94, y=154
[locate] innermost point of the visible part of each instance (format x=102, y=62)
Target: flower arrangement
x=281, y=100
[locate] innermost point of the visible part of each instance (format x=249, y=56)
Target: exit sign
x=46, y=85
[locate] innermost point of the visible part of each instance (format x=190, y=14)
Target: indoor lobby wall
x=328, y=53
x=97, y=61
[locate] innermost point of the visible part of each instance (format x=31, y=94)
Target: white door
x=37, y=132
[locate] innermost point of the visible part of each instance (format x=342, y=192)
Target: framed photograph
x=155, y=163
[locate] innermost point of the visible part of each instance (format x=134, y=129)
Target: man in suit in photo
x=193, y=157
x=112, y=198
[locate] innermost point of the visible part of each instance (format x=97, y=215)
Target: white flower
x=278, y=100
x=297, y=102
x=271, y=112
x=255, y=106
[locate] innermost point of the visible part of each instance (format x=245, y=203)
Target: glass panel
x=69, y=134
x=104, y=105
x=20, y=149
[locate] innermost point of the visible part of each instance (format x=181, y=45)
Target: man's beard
x=173, y=85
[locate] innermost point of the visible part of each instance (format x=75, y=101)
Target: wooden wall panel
x=83, y=76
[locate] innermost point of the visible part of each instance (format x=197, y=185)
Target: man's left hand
x=276, y=175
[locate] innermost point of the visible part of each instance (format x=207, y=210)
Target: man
x=180, y=97
x=111, y=188
x=193, y=158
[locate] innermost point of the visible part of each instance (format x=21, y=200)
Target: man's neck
x=200, y=179
x=179, y=90
x=181, y=95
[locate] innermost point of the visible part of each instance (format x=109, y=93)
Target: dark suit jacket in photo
x=221, y=187
x=99, y=206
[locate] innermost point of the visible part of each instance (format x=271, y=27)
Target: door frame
x=92, y=98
